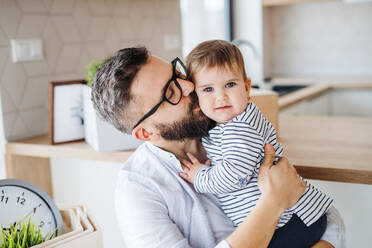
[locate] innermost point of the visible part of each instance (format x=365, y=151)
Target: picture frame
x=66, y=117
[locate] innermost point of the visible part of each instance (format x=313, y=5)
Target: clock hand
x=33, y=211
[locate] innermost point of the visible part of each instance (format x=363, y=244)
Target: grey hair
x=111, y=90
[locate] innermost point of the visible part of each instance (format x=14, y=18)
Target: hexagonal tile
x=98, y=29
x=68, y=58
x=63, y=7
x=4, y=41
x=143, y=8
x=48, y=4
x=9, y=120
x=97, y=51
x=82, y=17
x=147, y=29
x=31, y=26
x=66, y=28
x=112, y=38
x=98, y=7
x=36, y=68
x=64, y=77
x=4, y=52
x=52, y=46
x=36, y=120
x=121, y=8
x=7, y=102
x=10, y=16
x=35, y=86
x=32, y=6
x=167, y=9
x=84, y=60
x=19, y=129
x=14, y=80
x=125, y=28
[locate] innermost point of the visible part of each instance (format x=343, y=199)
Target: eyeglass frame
x=164, y=98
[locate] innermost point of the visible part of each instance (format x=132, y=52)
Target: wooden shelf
x=39, y=147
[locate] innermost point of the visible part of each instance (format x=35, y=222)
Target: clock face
x=20, y=200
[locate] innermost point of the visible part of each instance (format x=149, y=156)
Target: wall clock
x=20, y=199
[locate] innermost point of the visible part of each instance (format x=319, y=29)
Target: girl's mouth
x=223, y=108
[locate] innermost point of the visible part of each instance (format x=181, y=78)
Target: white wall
x=92, y=184
x=354, y=202
x=324, y=38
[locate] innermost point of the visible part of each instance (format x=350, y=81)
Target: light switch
x=27, y=50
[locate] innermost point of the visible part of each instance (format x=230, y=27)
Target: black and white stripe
x=237, y=150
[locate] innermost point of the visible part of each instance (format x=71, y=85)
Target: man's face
x=173, y=122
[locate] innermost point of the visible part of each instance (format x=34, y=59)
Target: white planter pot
x=101, y=135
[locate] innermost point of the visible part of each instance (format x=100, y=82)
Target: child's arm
x=191, y=168
x=242, y=149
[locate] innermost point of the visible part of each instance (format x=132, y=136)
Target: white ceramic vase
x=101, y=135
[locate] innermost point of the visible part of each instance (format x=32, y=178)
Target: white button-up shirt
x=157, y=208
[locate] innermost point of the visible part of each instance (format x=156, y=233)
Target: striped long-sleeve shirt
x=236, y=149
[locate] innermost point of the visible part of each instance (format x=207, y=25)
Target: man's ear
x=248, y=84
x=141, y=133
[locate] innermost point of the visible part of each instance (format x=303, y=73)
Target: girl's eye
x=230, y=84
x=208, y=89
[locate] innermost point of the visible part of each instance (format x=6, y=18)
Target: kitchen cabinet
x=318, y=105
x=351, y=102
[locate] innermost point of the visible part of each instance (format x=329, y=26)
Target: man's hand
x=279, y=182
x=191, y=168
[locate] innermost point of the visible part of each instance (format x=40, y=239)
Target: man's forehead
x=153, y=75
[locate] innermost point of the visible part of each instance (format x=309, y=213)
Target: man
x=145, y=96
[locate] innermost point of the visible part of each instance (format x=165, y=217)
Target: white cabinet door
x=351, y=102
x=316, y=106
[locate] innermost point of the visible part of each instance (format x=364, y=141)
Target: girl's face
x=222, y=91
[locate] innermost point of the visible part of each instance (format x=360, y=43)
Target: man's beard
x=191, y=127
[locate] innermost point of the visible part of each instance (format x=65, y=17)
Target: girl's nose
x=187, y=86
x=221, y=96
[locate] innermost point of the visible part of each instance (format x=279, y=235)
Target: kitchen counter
x=329, y=148
x=316, y=87
x=325, y=148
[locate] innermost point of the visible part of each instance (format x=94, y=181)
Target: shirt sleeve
x=241, y=147
x=335, y=231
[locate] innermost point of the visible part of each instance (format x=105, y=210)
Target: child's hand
x=191, y=168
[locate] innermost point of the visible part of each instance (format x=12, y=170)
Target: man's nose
x=187, y=86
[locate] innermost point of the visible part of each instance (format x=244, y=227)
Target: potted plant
x=22, y=235
x=99, y=134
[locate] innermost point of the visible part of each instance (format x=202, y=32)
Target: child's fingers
x=192, y=158
x=186, y=163
x=185, y=177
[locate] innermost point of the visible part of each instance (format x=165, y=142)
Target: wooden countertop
x=329, y=148
x=326, y=148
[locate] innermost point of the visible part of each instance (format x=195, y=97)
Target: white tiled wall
x=74, y=32
x=327, y=38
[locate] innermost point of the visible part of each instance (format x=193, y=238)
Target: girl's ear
x=248, y=84
x=141, y=133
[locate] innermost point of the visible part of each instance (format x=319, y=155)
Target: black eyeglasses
x=172, y=91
